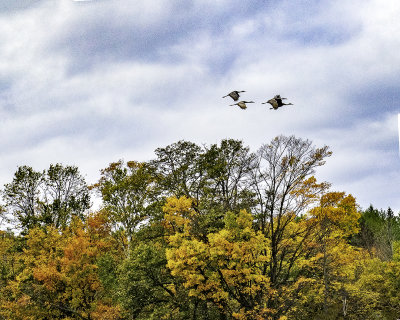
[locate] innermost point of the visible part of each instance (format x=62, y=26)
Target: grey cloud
x=320, y=35
x=9, y=6
x=114, y=36
x=375, y=100
x=121, y=128
x=317, y=23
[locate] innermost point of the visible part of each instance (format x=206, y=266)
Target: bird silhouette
x=234, y=95
x=276, y=102
x=242, y=104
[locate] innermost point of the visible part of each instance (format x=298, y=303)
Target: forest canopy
x=198, y=232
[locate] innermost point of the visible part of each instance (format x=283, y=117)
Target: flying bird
x=242, y=104
x=234, y=95
x=276, y=102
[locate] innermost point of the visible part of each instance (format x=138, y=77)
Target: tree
x=381, y=280
x=128, y=192
x=214, y=177
x=61, y=278
x=277, y=186
x=332, y=261
x=65, y=195
x=146, y=288
x=22, y=197
x=285, y=189
x=48, y=198
x=10, y=256
x=227, y=168
x=178, y=167
x=227, y=269
x=379, y=230
x=202, y=233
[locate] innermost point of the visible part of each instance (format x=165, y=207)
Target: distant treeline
x=199, y=232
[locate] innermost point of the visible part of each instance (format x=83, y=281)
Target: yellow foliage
x=61, y=274
x=340, y=211
x=178, y=214
x=106, y=312
x=226, y=267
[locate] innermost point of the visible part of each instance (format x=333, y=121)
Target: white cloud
x=127, y=106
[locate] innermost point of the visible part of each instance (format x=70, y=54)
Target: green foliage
x=379, y=230
x=48, y=198
x=147, y=290
x=22, y=197
x=65, y=195
x=214, y=177
x=128, y=192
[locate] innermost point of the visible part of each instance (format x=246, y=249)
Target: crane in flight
x=276, y=102
x=234, y=95
x=242, y=104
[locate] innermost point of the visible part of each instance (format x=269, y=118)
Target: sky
x=87, y=83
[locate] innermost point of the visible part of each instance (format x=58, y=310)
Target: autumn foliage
x=199, y=232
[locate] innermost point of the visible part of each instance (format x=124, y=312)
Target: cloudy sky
x=86, y=83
